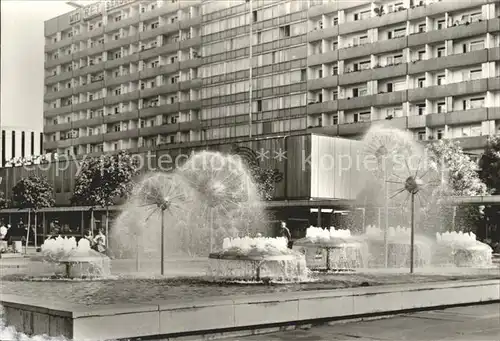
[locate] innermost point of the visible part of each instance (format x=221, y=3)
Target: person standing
x=3, y=231
x=285, y=233
x=100, y=242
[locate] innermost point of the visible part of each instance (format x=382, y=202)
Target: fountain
x=257, y=259
x=399, y=247
x=461, y=249
x=331, y=249
x=190, y=211
x=79, y=260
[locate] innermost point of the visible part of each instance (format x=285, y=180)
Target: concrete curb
x=237, y=316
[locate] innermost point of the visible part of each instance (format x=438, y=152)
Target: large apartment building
x=136, y=75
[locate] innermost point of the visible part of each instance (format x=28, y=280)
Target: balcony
x=449, y=62
x=358, y=128
x=119, y=135
x=319, y=34
x=375, y=21
x=52, y=95
x=115, y=44
x=98, y=103
x=63, y=59
x=66, y=75
x=115, y=81
x=98, y=48
x=322, y=83
x=393, y=71
x=128, y=96
x=164, y=89
x=389, y=98
x=98, y=31
x=123, y=116
x=494, y=113
x=149, y=72
x=418, y=121
x=321, y=107
x=375, y=48
x=160, y=129
x=87, y=122
x=190, y=84
x=473, y=142
x=191, y=22
x=189, y=105
x=161, y=109
x=494, y=83
x=187, y=43
x=89, y=87
x=467, y=116
x=131, y=58
x=190, y=125
x=116, y=25
x=51, y=112
x=453, y=89
x=323, y=58
x=89, y=69
x=441, y=7
x=190, y=63
x=52, y=128
x=455, y=32
x=89, y=139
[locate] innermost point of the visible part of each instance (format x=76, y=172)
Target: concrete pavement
x=471, y=323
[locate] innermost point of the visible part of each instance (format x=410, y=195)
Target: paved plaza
x=472, y=323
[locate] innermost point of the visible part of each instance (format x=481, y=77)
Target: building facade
x=136, y=75
x=19, y=145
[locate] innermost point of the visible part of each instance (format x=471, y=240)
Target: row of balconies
x=134, y=77
x=127, y=115
x=398, y=44
x=362, y=76
x=134, y=20
x=412, y=95
x=119, y=135
x=455, y=118
x=415, y=13
x=140, y=55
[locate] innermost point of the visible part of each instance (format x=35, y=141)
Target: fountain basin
x=333, y=254
x=399, y=254
x=223, y=266
x=478, y=255
x=89, y=263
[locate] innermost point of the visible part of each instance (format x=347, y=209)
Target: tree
x=266, y=180
x=462, y=180
x=489, y=172
x=104, y=179
x=33, y=193
x=489, y=165
x=4, y=203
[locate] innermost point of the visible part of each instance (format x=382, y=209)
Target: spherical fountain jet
x=163, y=194
x=225, y=192
x=394, y=152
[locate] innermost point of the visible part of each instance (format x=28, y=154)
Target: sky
x=22, y=60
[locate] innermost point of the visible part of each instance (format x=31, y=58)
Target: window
x=254, y=16
x=441, y=79
x=421, y=28
x=441, y=107
x=476, y=74
x=116, y=110
x=476, y=103
x=441, y=51
x=421, y=82
x=421, y=109
x=362, y=117
x=259, y=105
x=285, y=31
x=363, y=40
x=421, y=135
x=143, y=86
x=439, y=134
x=118, y=92
x=389, y=87
x=115, y=146
x=117, y=128
x=335, y=46
x=118, y=55
x=441, y=24
x=335, y=71
x=421, y=55
x=335, y=119
x=155, y=64
x=303, y=75
x=476, y=45
x=154, y=25
x=118, y=18
x=320, y=73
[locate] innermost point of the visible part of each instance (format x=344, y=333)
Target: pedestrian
x=285, y=233
x=3, y=231
x=100, y=242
